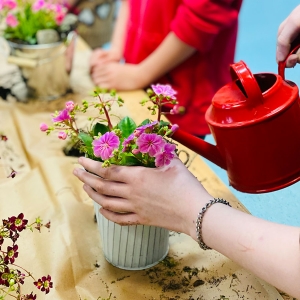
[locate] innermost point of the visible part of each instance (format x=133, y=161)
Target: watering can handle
x=295, y=45
x=240, y=71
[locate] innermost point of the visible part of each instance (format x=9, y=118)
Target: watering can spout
x=199, y=146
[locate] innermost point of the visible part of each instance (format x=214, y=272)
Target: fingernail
x=80, y=160
x=75, y=172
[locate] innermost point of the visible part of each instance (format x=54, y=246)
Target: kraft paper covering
x=71, y=251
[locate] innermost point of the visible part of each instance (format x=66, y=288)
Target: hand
x=168, y=197
x=118, y=76
x=288, y=30
x=100, y=56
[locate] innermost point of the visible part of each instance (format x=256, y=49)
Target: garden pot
x=45, y=68
x=134, y=247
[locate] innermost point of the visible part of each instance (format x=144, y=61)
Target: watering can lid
x=250, y=98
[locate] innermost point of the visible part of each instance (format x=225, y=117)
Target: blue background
x=256, y=46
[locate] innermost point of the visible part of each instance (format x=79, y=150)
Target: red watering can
x=255, y=121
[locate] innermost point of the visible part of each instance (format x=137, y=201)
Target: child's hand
x=100, y=56
x=118, y=76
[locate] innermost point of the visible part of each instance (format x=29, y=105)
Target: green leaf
x=87, y=141
x=147, y=121
x=127, y=126
x=163, y=123
x=131, y=161
x=98, y=127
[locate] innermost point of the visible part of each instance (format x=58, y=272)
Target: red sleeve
x=197, y=22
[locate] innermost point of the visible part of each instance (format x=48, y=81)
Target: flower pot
x=133, y=247
x=46, y=68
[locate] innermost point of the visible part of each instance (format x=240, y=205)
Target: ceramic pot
x=134, y=247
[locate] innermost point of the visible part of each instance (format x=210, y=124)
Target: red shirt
x=210, y=26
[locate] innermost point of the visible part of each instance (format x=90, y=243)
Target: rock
x=69, y=23
x=47, y=36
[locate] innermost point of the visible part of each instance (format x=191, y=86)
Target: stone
x=47, y=36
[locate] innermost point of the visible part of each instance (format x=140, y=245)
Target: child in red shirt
x=188, y=44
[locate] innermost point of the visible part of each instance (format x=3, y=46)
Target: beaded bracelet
x=200, y=218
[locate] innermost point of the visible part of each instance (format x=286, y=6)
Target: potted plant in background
x=41, y=36
x=124, y=143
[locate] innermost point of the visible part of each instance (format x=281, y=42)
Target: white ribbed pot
x=133, y=247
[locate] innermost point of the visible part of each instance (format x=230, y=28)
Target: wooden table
x=71, y=252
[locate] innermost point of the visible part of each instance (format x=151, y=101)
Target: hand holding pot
x=288, y=30
x=168, y=197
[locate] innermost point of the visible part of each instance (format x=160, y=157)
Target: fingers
x=114, y=204
x=288, y=30
x=101, y=186
x=113, y=173
x=120, y=218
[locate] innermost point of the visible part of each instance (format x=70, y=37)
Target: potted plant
x=41, y=37
x=124, y=143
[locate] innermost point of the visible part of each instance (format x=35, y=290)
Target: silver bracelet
x=200, y=218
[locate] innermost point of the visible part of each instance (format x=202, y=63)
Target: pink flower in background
x=164, y=90
x=11, y=20
x=63, y=115
x=10, y=4
x=70, y=105
x=59, y=17
x=105, y=145
x=43, y=127
x=62, y=135
x=150, y=143
x=38, y=5
x=164, y=158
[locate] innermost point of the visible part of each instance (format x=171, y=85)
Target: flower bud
x=43, y=127
x=70, y=105
x=62, y=135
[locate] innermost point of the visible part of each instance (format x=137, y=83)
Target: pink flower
x=63, y=115
x=105, y=145
x=11, y=21
x=164, y=158
x=70, y=105
x=62, y=135
x=127, y=142
x=145, y=128
x=38, y=5
x=59, y=17
x=43, y=127
x=10, y=4
x=164, y=90
x=150, y=143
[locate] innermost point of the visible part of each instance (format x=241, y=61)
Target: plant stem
x=106, y=114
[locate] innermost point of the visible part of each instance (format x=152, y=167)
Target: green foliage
x=29, y=21
x=127, y=126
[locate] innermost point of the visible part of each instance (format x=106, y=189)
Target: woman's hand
x=288, y=30
x=168, y=197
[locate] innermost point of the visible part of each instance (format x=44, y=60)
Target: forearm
x=169, y=54
x=269, y=250
x=119, y=34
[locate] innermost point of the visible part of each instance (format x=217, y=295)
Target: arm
x=269, y=250
x=115, y=53
x=288, y=30
x=194, y=27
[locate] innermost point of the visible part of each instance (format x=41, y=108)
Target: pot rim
x=38, y=46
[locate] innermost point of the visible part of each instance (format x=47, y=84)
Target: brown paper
x=71, y=252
